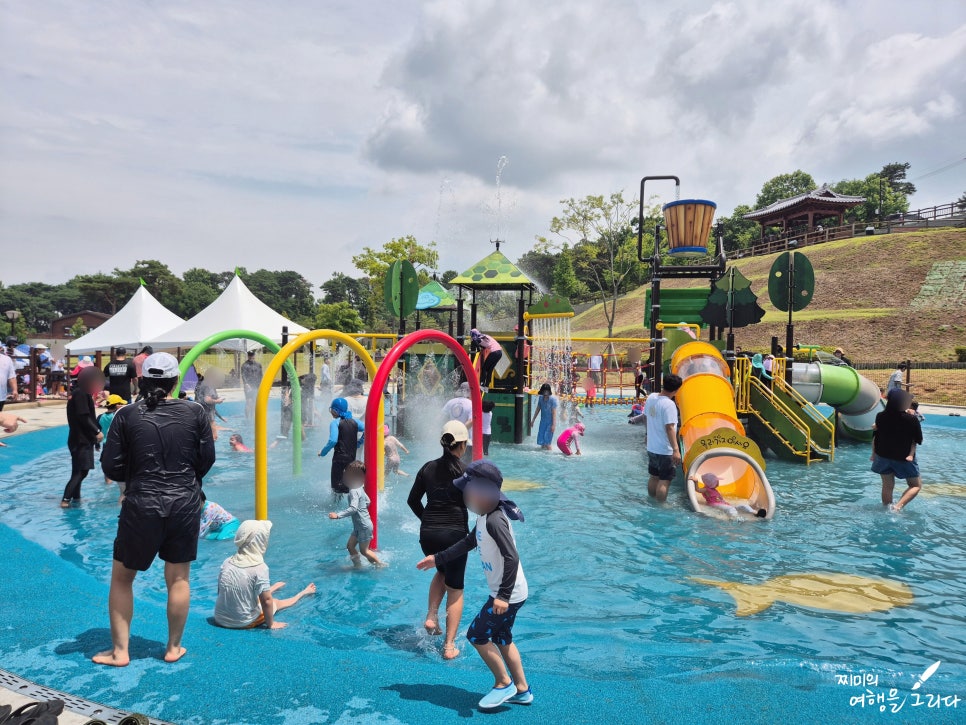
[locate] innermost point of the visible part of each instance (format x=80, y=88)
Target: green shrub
x=961, y=354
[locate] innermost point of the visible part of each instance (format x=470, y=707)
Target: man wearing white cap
x=161, y=448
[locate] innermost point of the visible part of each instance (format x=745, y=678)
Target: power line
x=941, y=169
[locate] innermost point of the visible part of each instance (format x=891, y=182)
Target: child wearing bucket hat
x=491, y=633
x=343, y=440
x=104, y=420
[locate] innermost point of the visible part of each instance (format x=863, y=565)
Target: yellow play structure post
x=261, y=408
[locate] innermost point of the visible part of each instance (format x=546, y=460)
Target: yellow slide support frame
x=261, y=407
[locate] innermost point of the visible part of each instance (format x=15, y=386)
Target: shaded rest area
x=714, y=439
x=496, y=273
x=805, y=210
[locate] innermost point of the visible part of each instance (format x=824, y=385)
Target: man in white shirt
x=663, y=450
x=8, y=379
x=594, y=366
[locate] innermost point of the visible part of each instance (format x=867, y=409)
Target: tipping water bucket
x=688, y=224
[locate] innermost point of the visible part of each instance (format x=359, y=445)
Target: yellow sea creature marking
x=518, y=484
x=944, y=489
x=830, y=592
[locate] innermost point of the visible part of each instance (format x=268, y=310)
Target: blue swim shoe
x=497, y=696
x=521, y=698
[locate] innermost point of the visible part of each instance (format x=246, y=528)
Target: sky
x=289, y=135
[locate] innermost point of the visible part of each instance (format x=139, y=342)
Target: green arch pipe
x=212, y=340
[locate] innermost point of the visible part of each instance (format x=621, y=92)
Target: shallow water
x=610, y=572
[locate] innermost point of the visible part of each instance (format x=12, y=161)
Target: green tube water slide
x=856, y=398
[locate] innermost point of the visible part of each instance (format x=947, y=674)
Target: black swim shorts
x=496, y=627
x=141, y=536
x=433, y=541
x=660, y=465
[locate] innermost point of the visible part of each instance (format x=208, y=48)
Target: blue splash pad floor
x=611, y=657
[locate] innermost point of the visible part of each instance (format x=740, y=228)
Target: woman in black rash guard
x=161, y=448
x=896, y=434
x=444, y=522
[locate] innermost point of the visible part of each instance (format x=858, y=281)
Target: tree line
x=589, y=255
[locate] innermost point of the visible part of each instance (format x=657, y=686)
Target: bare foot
x=65, y=504
x=174, y=654
x=309, y=590
x=431, y=625
x=111, y=658
x=450, y=652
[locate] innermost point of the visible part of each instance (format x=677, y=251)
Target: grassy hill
x=887, y=297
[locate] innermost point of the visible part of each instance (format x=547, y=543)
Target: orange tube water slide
x=714, y=439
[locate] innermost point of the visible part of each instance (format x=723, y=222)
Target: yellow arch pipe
x=261, y=407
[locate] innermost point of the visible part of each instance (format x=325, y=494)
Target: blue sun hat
x=341, y=406
x=485, y=477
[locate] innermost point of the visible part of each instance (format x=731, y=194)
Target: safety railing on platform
x=800, y=425
x=813, y=413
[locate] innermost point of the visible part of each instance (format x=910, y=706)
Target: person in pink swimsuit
x=570, y=436
x=714, y=498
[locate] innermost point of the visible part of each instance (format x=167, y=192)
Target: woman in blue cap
x=344, y=433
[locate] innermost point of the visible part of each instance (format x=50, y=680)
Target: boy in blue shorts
x=492, y=631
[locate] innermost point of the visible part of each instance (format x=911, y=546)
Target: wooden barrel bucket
x=688, y=224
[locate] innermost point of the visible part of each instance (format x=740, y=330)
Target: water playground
x=827, y=608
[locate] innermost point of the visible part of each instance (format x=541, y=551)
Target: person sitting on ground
x=636, y=416
x=354, y=479
x=569, y=437
x=391, y=446
x=216, y=523
x=245, y=592
x=714, y=498
x=237, y=444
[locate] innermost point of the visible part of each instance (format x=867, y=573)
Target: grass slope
x=863, y=290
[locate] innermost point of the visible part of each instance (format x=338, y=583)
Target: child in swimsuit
x=358, y=509
x=569, y=437
x=590, y=387
x=237, y=444
x=216, y=523
x=714, y=498
x=391, y=446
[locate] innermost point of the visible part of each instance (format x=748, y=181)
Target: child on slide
x=245, y=592
x=714, y=498
x=569, y=437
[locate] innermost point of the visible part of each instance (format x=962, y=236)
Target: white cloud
x=244, y=133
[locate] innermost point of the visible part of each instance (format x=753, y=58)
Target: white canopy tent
x=235, y=309
x=136, y=324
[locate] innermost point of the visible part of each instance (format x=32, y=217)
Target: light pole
x=13, y=316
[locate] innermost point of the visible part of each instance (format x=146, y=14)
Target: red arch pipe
x=376, y=397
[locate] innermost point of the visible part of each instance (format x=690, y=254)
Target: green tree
x=961, y=202
x=448, y=276
x=78, y=328
x=286, y=292
x=600, y=231
x=340, y=316
x=738, y=232
x=103, y=292
x=374, y=264
x=565, y=280
x=875, y=189
x=895, y=175
x=783, y=186
x=159, y=280
x=539, y=266
x=341, y=287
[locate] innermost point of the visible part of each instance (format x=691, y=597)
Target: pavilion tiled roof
x=823, y=195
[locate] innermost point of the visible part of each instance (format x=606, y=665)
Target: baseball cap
x=251, y=353
x=115, y=400
x=485, y=476
x=160, y=366
x=454, y=432
x=120, y=351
